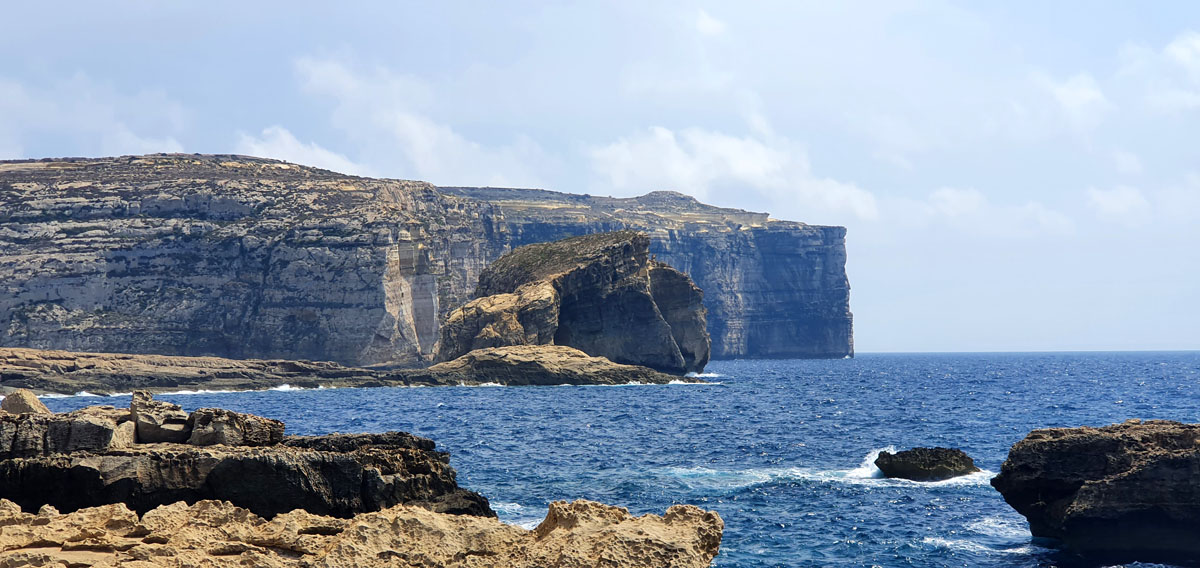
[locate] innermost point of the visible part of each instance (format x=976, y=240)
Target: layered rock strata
x=600, y=293
x=926, y=464
x=99, y=456
x=251, y=258
x=104, y=373
x=1126, y=492
x=215, y=533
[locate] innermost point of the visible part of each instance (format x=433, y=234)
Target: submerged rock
x=1126, y=492
x=926, y=464
x=601, y=294
x=541, y=365
x=22, y=401
x=215, y=533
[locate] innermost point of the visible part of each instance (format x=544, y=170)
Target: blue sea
x=781, y=449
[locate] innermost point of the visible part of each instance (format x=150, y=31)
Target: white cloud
x=970, y=211
x=708, y=25
x=87, y=118
x=701, y=162
x=1127, y=162
x=277, y=142
x=1081, y=98
x=1124, y=205
x=386, y=115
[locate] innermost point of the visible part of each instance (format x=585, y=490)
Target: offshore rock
x=926, y=464
x=251, y=258
x=1121, y=493
x=23, y=401
x=597, y=293
x=215, y=533
x=541, y=365
x=105, y=373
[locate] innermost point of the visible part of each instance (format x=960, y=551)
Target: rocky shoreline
x=65, y=372
x=152, y=485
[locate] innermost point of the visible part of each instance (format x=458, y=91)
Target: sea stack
x=926, y=464
x=602, y=294
x=1121, y=493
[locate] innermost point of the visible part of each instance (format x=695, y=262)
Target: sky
x=1013, y=176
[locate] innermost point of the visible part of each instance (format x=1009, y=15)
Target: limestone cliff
x=252, y=258
x=599, y=293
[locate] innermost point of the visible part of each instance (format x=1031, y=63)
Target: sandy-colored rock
x=23, y=401
x=598, y=293
x=542, y=365
x=1121, y=493
x=210, y=426
x=215, y=533
x=158, y=421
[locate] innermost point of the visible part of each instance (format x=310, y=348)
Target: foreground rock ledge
x=1126, y=492
x=216, y=533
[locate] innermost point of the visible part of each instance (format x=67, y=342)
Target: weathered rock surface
x=597, y=293
x=1119, y=493
x=541, y=365
x=93, y=457
x=158, y=421
x=926, y=464
x=23, y=401
x=103, y=373
x=214, y=533
x=251, y=258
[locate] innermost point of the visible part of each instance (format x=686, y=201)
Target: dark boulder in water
x=926, y=464
x=1121, y=493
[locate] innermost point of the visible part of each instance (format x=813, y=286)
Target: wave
x=517, y=515
x=865, y=474
x=480, y=385
x=704, y=375
x=962, y=545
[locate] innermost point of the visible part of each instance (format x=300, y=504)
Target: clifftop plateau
x=245, y=257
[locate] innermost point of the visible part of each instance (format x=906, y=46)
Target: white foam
x=1000, y=527
x=679, y=382
x=704, y=375
x=975, y=547
x=86, y=393
x=465, y=385
x=517, y=515
x=287, y=388
x=865, y=474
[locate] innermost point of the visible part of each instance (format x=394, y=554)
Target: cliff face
x=598, y=293
x=773, y=289
x=251, y=258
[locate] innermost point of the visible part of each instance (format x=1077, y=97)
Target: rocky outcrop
x=158, y=421
x=597, y=293
x=541, y=365
x=250, y=258
x=106, y=373
x=926, y=464
x=22, y=401
x=97, y=456
x=1126, y=492
x=215, y=533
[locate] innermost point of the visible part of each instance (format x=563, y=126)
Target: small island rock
x=926, y=464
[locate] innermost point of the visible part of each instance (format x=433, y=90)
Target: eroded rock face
x=244, y=257
x=219, y=534
x=926, y=464
x=1119, y=493
x=595, y=293
x=211, y=426
x=23, y=401
x=541, y=365
x=158, y=421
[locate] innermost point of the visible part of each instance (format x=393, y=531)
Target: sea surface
x=781, y=449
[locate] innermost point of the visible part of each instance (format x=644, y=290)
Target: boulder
x=926, y=464
x=336, y=475
x=211, y=426
x=539, y=365
x=1121, y=493
x=215, y=533
x=22, y=401
x=158, y=421
x=94, y=429
x=600, y=293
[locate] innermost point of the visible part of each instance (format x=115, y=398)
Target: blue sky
x=1014, y=176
